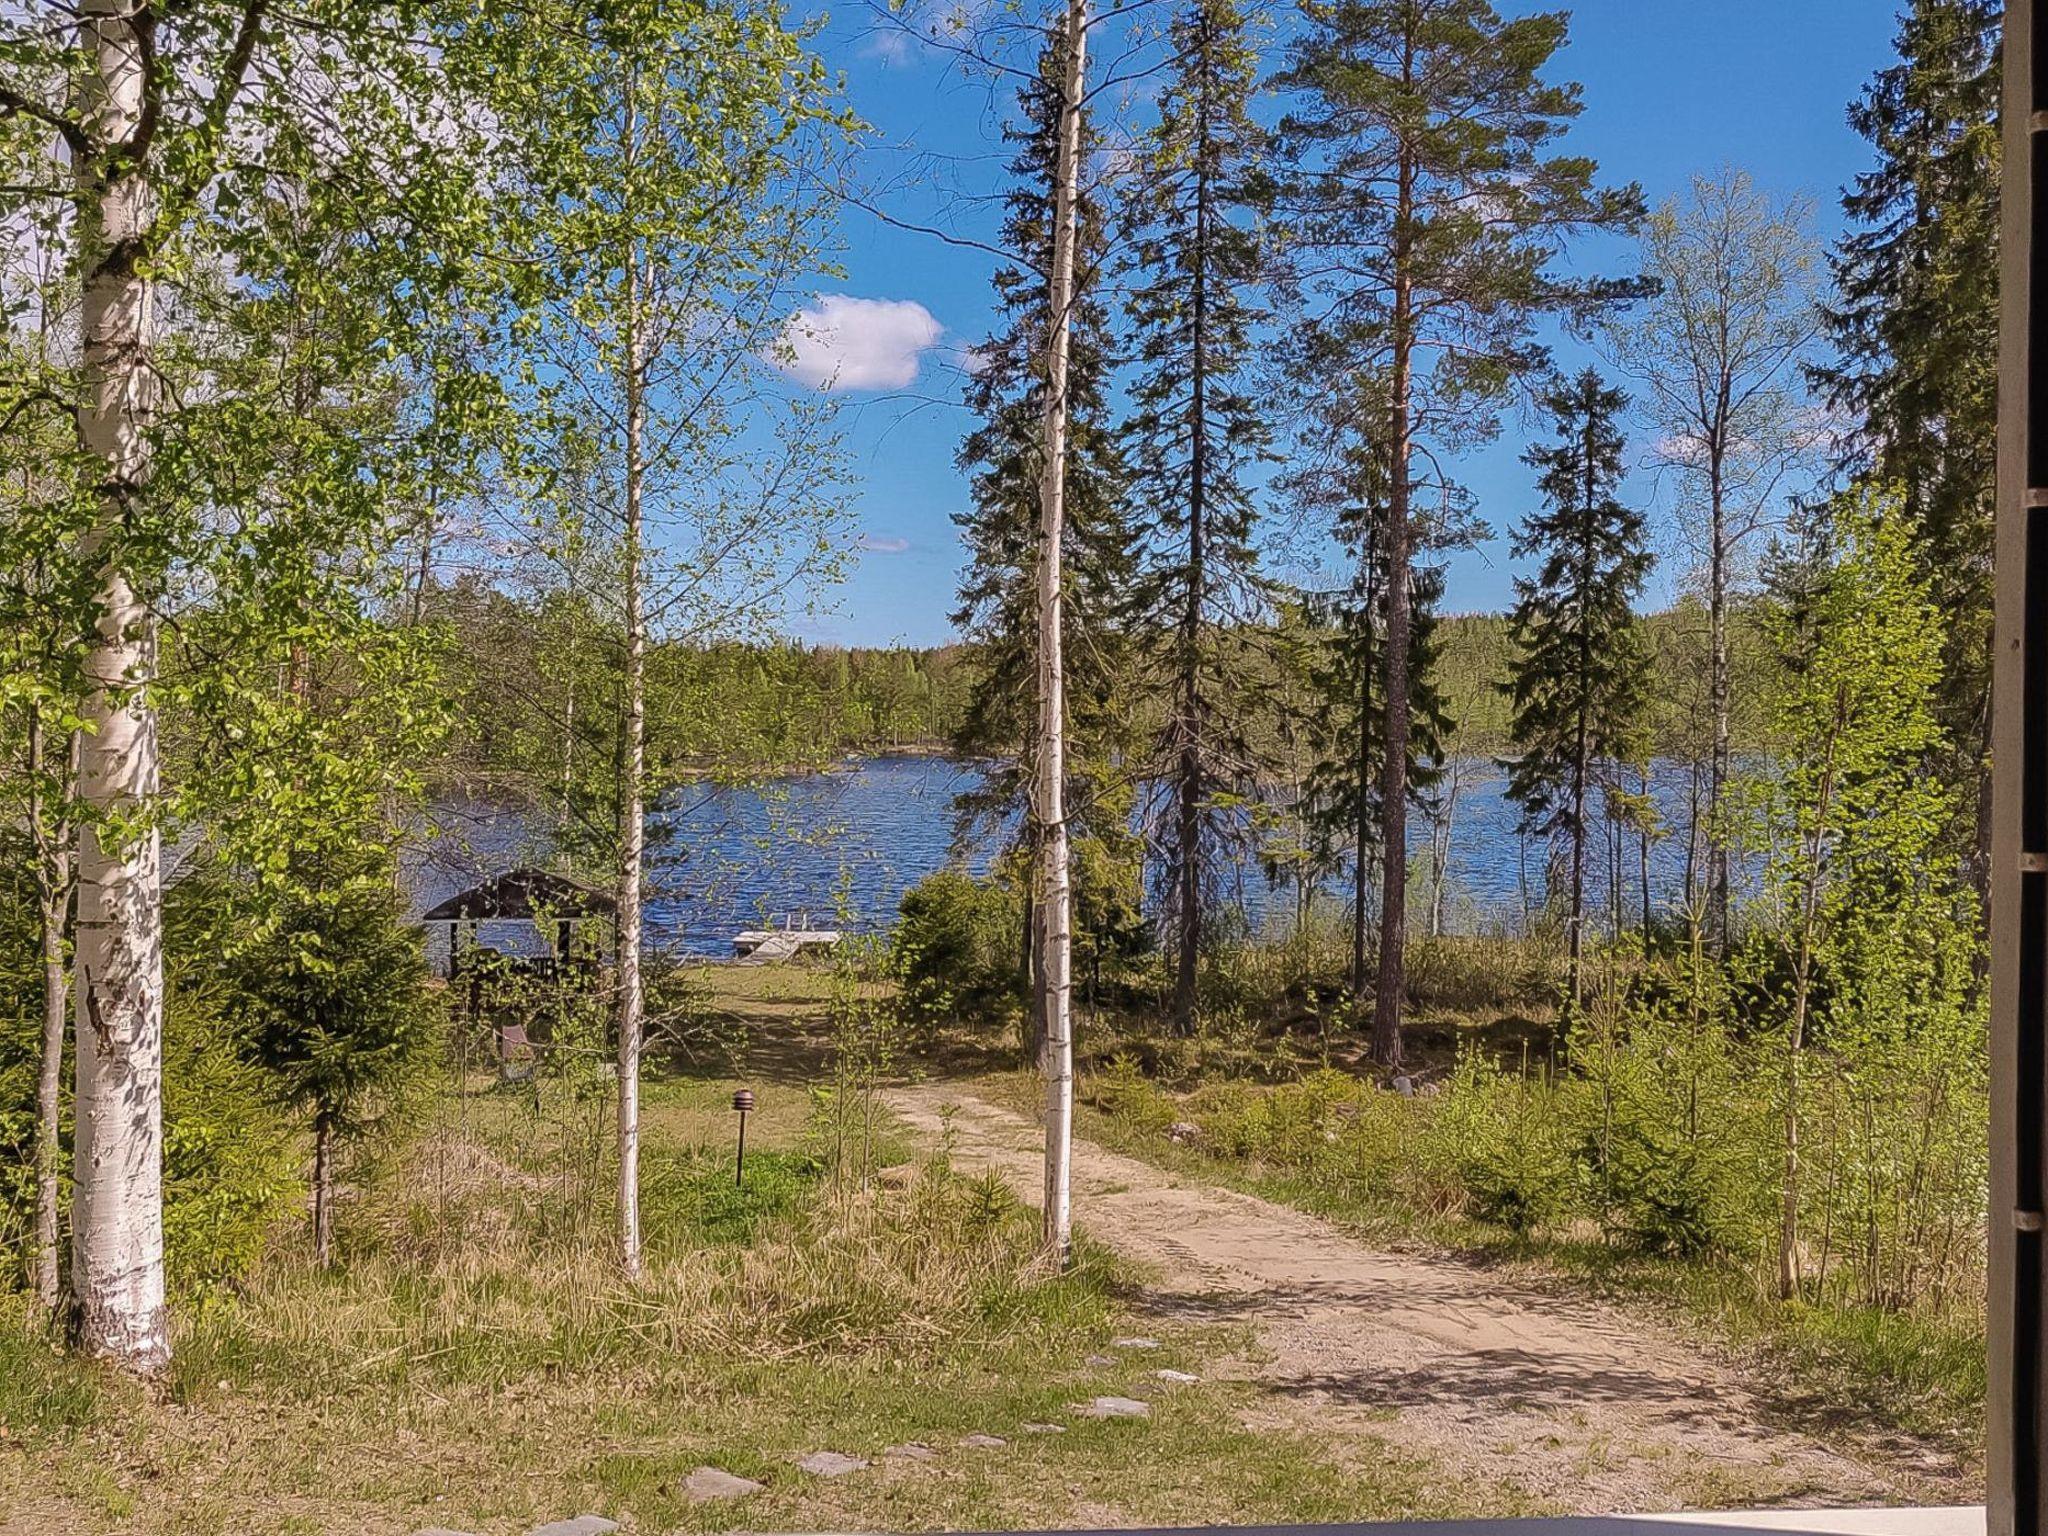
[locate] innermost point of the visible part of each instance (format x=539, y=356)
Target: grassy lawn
x=474, y=1362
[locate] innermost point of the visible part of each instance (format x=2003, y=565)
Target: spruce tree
x=1197, y=258
x=1915, y=326
x=1429, y=203
x=1005, y=458
x=1578, y=679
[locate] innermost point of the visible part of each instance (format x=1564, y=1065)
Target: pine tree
x=1578, y=680
x=1197, y=258
x=1915, y=323
x=1349, y=729
x=1346, y=727
x=1005, y=456
x=1429, y=204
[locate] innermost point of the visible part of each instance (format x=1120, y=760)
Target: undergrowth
x=1491, y=1164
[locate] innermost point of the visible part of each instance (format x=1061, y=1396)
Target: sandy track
x=1514, y=1388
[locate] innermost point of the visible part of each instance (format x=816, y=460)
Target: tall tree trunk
x=1190, y=774
x=568, y=754
x=1802, y=991
x=1643, y=855
x=1361, y=819
x=117, y=1243
x=1582, y=739
x=52, y=840
x=1055, y=978
x=1576, y=929
x=323, y=1189
x=1719, y=690
x=1393, y=978
x=632, y=788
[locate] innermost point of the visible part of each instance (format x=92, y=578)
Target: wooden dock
x=760, y=946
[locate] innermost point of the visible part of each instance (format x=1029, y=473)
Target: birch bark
x=117, y=1243
x=1055, y=971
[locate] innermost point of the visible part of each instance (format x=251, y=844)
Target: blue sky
x=1671, y=87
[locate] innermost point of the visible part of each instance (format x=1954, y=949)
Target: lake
x=838, y=849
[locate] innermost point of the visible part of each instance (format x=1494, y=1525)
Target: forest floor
x=1517, y=1388
x=475, y=1365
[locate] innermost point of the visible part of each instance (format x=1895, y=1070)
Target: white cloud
x=879, y=546
x=841, y=342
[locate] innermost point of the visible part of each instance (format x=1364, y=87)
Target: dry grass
x=476, y=1363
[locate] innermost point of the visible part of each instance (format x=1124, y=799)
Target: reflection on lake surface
x=842, y=847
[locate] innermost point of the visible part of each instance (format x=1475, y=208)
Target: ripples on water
x=841, y=848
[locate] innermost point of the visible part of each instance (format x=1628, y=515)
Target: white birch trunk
x=632, y=792
x=52, y=838
x=117, y=1241
x=1055, y=971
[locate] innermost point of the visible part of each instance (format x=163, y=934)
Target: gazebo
x=550, y=902
x=525, y=895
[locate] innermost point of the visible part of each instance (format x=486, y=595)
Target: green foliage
x=1122, y=1091
x=21, y=1032
x=1914, y=320
x=1199, y=255
x=231, y=1162
x=339, y=1015
x=958, y=946
x=1002, y=456
x=1579, y=674
x=1866, y=946
x=1509, y=1138
x=229, y=1158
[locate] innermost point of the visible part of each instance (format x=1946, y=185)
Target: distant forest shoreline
x=535, y=677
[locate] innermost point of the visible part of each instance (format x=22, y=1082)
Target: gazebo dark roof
x=523, y=893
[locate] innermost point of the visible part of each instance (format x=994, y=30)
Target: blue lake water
x=838, y=849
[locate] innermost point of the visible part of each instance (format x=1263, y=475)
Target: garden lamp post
x=742, y=1101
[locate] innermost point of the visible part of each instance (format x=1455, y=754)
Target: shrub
x=1508, y=1139
x=339, y=1014
x=227, y=1154
x=230, y=1158
x=1124, y=1093
x=957, y=946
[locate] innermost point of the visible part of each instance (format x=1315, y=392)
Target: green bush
x=21, y=1025
x=1508, y=1138
x=230, y=1158
x=958, y=946
x=1122, y=1091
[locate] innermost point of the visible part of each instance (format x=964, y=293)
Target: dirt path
x=1509, y=1386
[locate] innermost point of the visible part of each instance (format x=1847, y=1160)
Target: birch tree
x=667, y=217
x=1004, y=455
x=1718, y=351
x=1857, y=907
x=1055, y=897
x=175, y=123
